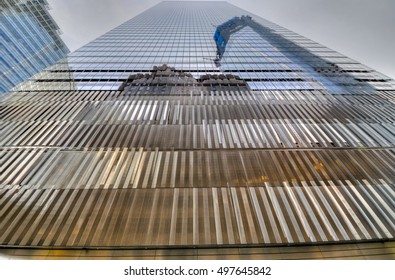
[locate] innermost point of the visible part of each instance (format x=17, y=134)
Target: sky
x=360, y=29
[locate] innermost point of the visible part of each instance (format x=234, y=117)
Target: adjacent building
x=198, y=124
x=29, y=41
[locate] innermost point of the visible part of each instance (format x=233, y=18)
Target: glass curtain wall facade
x=147, y=136
x=29, y=41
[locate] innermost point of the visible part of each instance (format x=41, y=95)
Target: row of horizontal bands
x=289, y=213
x=242, y=119
x=172, y=110
x=139, y=168
x=225, y=135
x=207, y=95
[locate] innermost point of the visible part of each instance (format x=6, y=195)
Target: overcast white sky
x=361, y=29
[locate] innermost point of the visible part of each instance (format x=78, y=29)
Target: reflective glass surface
x=181, y=35
x=29, y=41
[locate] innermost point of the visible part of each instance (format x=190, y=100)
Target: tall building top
x=181, y=35
x=30, y=40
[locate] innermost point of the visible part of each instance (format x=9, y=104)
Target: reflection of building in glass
x=29, y=41
x=168, y=139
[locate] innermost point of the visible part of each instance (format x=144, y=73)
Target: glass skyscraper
x=198, y=124
x=29, y=41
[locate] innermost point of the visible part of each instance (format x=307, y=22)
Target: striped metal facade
x=128, y=169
